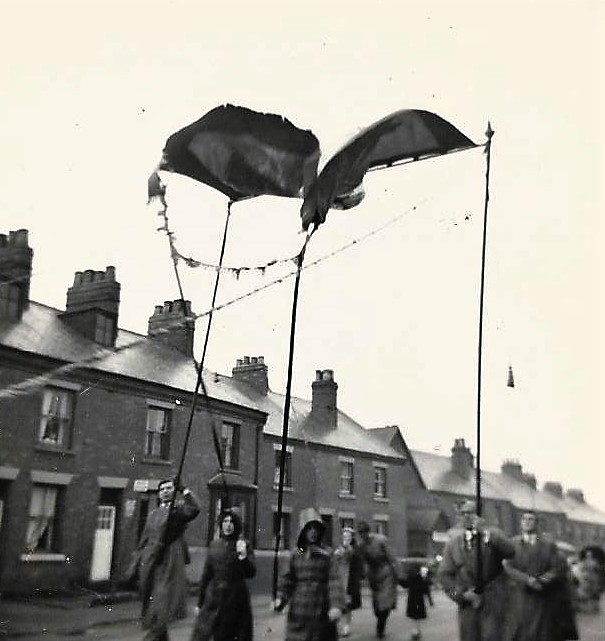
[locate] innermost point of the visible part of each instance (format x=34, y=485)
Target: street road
x=269, y=626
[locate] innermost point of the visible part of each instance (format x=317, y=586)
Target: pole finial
x=489, y=131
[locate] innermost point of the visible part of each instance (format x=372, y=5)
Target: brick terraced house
x=83, y=448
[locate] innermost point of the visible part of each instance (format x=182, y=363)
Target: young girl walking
x=417, y=582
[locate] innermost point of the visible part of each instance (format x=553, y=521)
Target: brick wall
x=316, y=482
x=108, y=441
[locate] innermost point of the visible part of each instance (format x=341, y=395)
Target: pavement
x=115, y=617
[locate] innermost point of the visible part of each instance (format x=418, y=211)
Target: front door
x=100, y=568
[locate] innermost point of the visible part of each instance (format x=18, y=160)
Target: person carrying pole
x=482, y=598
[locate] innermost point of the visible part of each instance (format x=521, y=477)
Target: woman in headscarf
x=311, y=586
x=225, y=612
x=350, y=567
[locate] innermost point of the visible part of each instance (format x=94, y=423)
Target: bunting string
x=194, y=263
x=35, y=383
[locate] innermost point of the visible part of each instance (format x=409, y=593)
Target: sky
x=92, y=90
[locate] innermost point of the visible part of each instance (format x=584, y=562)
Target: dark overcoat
x=418, y=589
x=537, y=615
x=225, y=613
x=381, y=572
x=458, y=573
x=162, y=579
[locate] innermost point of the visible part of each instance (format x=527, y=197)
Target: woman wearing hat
x=225, y=613
x=311, y=586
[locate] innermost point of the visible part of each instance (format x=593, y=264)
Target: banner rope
x=38, y=382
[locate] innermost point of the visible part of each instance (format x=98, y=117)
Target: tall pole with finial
x=489, y=133
x=479, y=577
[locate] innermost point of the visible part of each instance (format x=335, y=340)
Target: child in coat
x=418, y=585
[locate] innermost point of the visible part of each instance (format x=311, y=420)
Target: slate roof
x=439, y=476
x=41, y=331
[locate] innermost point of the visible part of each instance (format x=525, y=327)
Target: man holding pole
x=161, y=557
x=481, y=595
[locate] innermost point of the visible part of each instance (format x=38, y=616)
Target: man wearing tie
x=481, y=597
x=538, y=579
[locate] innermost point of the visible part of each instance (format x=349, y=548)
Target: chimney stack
x=462, y=459
x=252, y=370
x=92, y=305
x=576, y=495
x=324, y=409
x=512, y=467
x=15, y=273
x=173, y=324
x=530, y=479
x=553, y=488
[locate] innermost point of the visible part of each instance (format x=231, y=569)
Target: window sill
x=381, y=499
x=287, y=488
x=157, y=461
x=343, y=495
x=44, y=556
x=54, y=448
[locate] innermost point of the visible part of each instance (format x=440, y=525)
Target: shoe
x=346, y=631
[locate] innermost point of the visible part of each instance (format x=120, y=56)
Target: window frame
x=50, y=506
x=165, y=434
x=64, y=414
x=230, y=444
x=346, y=484
x=377, y=483
x=381, y=525
x=288, y=481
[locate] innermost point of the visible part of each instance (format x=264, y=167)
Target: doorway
x=102, y=553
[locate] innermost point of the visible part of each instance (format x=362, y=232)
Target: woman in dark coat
x=418, y=585
x=311, y=586
x=350, y=568
x=225, y=612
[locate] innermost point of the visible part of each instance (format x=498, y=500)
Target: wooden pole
x=479, y=542
x=284, y=438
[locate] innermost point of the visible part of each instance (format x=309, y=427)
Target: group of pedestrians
x=507, y=589
x=321, y=587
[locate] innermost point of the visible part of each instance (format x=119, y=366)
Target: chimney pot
x=170, y=325
x=90, y=293
x=21, y=238
x=462, y=459
x=253, y=371
x=324, y=407
x=261, y=360
x=554, y=488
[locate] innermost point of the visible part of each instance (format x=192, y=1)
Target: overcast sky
x=91, y=91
